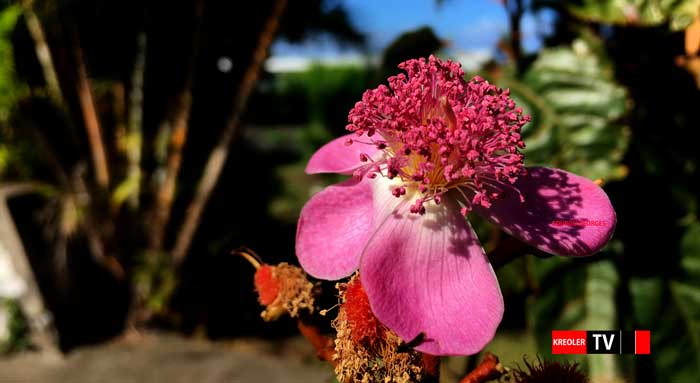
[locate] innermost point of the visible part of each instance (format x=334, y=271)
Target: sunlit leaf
x=124, y=190
x=678, y=13
x=8, y=84
x=14, y=154
x=601, y=313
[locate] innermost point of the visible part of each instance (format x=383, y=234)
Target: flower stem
x=325, y=347
x=489, y=368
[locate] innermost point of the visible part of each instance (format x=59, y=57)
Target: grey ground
x=171, y=359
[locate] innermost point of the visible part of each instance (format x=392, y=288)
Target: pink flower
x=425, y=152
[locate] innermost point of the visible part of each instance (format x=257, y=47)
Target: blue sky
x=470, y=25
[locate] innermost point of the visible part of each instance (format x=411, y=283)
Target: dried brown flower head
x=281, y=288
x=549, y=371
x=367, y=351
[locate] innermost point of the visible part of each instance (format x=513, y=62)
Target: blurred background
x=141, y=142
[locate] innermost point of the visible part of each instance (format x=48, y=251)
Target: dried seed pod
x=281, y=288
x=367, y=351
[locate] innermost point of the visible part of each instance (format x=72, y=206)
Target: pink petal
x=338, y=157
x=333, y=229
x=428, y=274
x=563, y=213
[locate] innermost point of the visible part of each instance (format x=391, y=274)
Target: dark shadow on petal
x=460, y=239
x=554, y=216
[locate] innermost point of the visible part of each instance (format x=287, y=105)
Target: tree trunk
x=217, y=158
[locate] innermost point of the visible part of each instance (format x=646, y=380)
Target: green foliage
x=575, y=295
x=687, y=298
x=18, y=338
x=690, y=248
x=327, y=93
x=312, y=107
x=125, y=189
x=601, y=313
x=293, y=195
x=676, y=332
x=8, y=83
x=678, y=13
x=14, y=154
x=155, y=280
x=576, y=107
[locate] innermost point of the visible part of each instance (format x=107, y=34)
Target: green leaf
x=125, y=189
x=8, y=84
x=576, y=107
x=15, y=155
x=647, y=296
x=690, y=250
x=601, y=314
x=671, y=310
x=688, y=300
x=675, y=339
x=560, y=303
x=16, y=331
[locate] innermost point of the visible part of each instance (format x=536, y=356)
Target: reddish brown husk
x=267, y=286
x=283, y=289
x=321, y=343
x=489, y=368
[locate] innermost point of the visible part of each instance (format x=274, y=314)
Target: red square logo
x=642, y=342
x=569, y=342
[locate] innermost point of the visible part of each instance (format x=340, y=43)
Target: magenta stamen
x=439, y=132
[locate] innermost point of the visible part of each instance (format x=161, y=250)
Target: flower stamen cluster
x=438, y=132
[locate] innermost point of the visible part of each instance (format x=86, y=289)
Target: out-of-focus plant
x=678, y=13
x=676, y=339
x=106, y=193
x=9, y=85
x=14, y=333
x=324, y=92
x=577, y=110
x=590, y=113
x=578, y=123
x=11, y=90
x=311, y=108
